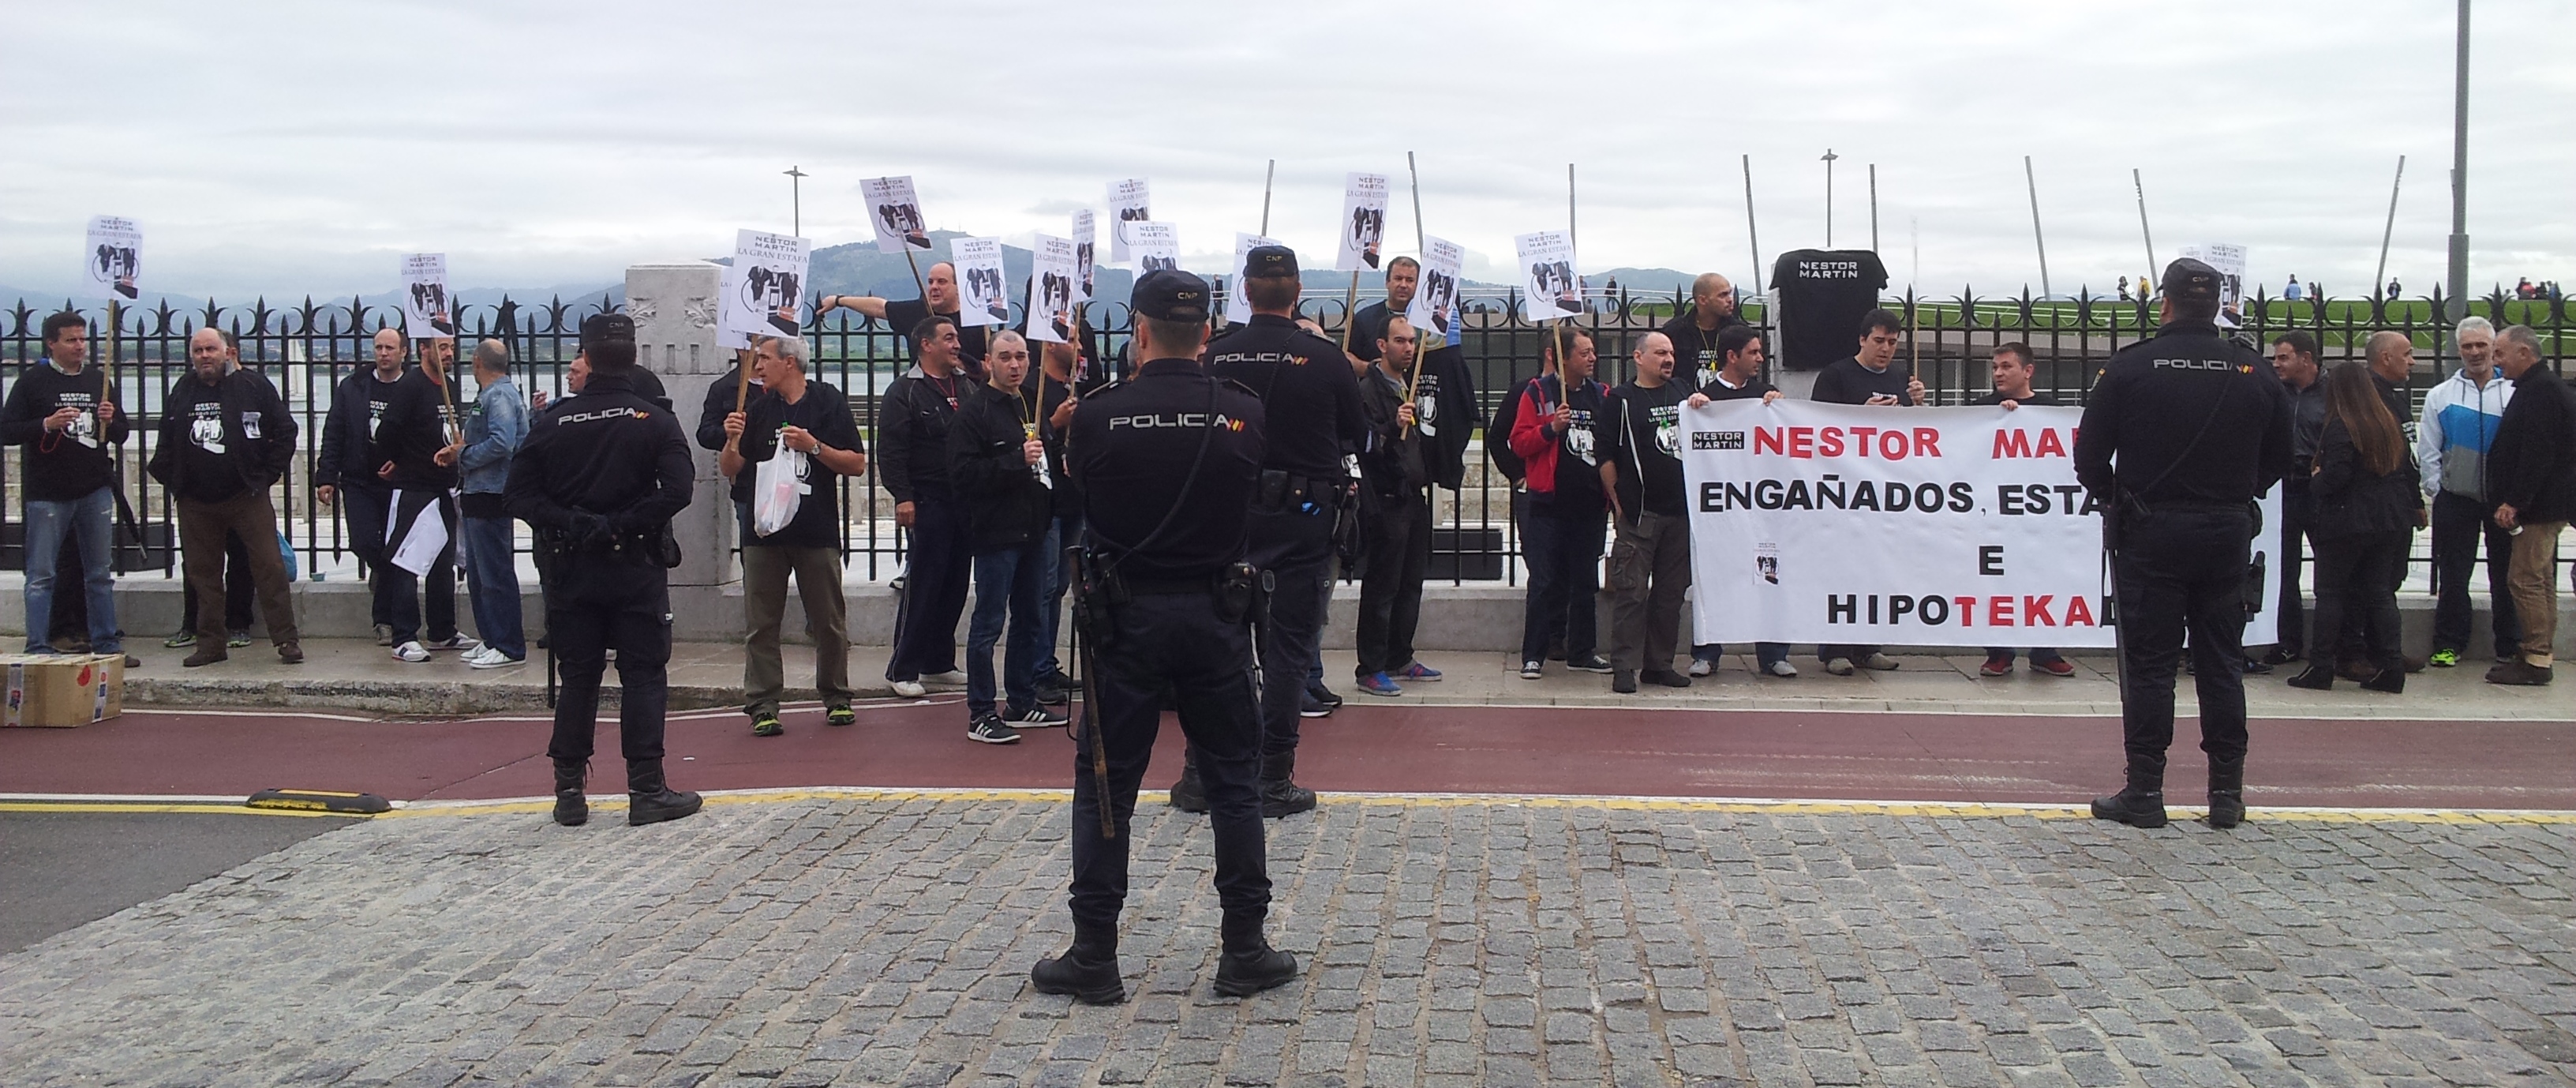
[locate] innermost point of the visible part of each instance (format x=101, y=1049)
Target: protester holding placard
x=808, y=422
x=2367, y=493
x=1694, y=331
x=1638, y=438
x=998, y=465
x=1057, y=386
x=225, y=439
x=62, y=426
x=2181, y=434
x=1395, y=521
x=913, y=418
x=383, y=435
x=938, y=299
x=1561, y=525
x=1870, y=375
x=1368, y=326
x=2013, y=369
x=1741, y=357
x=494, y=427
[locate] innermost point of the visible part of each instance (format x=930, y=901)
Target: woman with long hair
x=2367, y=492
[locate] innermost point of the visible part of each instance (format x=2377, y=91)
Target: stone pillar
x=675, y=312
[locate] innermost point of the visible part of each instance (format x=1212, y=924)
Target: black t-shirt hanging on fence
x=1818, y=298
x=826, y=413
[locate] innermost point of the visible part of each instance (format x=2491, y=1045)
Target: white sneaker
x=1840, y=666
x=950, y=679
x=910, y=689
x=1700, y=668
x=1881, y=662
x=490, y=658
x=1532, y=670
x=411, y=652
x=454, y=642
x=1783, y=670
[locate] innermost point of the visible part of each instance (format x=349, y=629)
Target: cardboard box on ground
x=58, y=691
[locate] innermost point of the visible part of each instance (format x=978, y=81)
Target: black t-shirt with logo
x=902, y=314
x=207, y=474
x=64, y=465
x=1639, y=430
x=826, y=413
x=1848, y=382
x=1819, y=296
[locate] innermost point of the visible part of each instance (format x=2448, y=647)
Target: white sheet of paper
x=979, y=281
x=895, y=210
x=425, y=537
x=1363, y=221
x=1238, y=306
x=766, y=295
x=427, y=312
x=1550, y=289
x=1435, y=302
x=1051, y=289
x=114, y=253
x=1086, y=231
x=1154, y=245
x=1129, y=203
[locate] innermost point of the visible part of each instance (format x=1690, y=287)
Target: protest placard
x=979, y=278
x=1154, y=246
x=115, y=256
x=1549, y=289
x=1129, y=203
x=1238, y=306
x=2229, y=259
x=1052, y=273
x=1363, y=221
x=1085, y=232
x=1435, y=301
x=765, y=295
x=896, y=212
x=426, y=311
x=1840, y=523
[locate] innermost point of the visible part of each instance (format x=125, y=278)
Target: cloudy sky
x=289, y=147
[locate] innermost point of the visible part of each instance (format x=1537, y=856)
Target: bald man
x=938, y=299
x=1694, y=331
x=1637, y=436
x=2392, y=363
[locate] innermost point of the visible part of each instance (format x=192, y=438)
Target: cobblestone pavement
x=885, y=938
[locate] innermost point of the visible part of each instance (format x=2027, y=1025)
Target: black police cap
x=2189, y=280
x=1267, y=261
x=1169, y=294
x=599, y=329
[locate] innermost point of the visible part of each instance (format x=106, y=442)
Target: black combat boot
x=2142, y=803
x=2226, y=792
x=1248, y=965
x=571, y=810
x=651, y=800
x=1280, y=794
x=1187, y=794
x=1088, y=971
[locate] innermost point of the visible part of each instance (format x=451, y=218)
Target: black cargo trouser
x=598, y=603
x=1295, y=547
x=2183, y=568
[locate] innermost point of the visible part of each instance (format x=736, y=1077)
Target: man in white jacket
x=2460, y=417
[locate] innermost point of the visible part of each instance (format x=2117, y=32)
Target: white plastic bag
x=777, y=491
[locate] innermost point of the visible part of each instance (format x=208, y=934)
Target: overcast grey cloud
x=293, y=147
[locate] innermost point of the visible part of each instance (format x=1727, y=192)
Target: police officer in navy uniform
x=1311, y=396
x=2180, y=435
x=1168, y=462
x=598, y=479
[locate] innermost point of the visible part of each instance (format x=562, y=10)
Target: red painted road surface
x=1383, y=748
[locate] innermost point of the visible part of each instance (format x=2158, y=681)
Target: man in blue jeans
x=494, y=426
x=62, y=422
x=997, y=464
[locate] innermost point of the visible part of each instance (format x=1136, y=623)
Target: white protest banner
x=1155, y=246
x=1363, y=221
x=1129, y=203
x=1085, y=232
x=115, y=256
x=1842, y=523
x=765, y=294
x=2229, y=259
x=896, y=211
x=1238, y=306
x=1435, y=300
x=1051, y=286
x=1549, y=290
x=979, y=277
x=426, y=313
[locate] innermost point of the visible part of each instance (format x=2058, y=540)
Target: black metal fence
x=306, y=349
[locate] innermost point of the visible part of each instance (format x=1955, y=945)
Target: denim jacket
x=494, y=428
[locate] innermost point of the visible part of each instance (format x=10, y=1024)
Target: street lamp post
x=1829, y=193
x=2458, y=304
x=796, y=200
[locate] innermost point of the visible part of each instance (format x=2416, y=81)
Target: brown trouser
x=202, y=526
x=764, y=606
x=2533, y=580
x=1649, y=569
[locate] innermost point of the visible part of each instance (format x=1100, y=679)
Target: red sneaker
x=1996, y=666
x=2059, y=667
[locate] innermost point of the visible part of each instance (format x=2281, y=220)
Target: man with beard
x=938, y=299
x=1694, y=331
x=1637, y=437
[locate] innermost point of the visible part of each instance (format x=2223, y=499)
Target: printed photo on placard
x=979, y=276
x=896, y=213
x=1085, y=229
x=1154, y=246
x=1549, y=288
x=1363, y=221
x=426, y=312
x=1129, y=204
x=1238, y=306
x=2229, y=260
x=115, y=256
x=1051, y=289
x=1435, y=302
x=765, y=295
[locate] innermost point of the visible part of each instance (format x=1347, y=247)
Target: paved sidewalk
x=354, y=674
x=885, y=940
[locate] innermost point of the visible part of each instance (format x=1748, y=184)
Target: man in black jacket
x=796, y=416
x=913, y=419
x=225, y=439
x=1869, y=376
x=2531, y=475
x=1395, y=521
x=998, y=466
x=383, y=436
x=63, y=426
x=1637, y=436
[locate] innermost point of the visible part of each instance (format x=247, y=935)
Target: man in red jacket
x=1561, y=526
